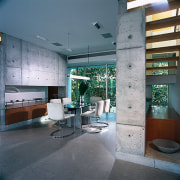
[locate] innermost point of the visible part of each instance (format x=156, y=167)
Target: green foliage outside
x=160, y=95
x=97, y=82
x=160, y=92
x=160, y=72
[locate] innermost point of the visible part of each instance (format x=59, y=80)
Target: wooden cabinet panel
x=24, y=113
x=163, y=128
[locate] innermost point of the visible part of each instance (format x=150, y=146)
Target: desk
x=77, y=110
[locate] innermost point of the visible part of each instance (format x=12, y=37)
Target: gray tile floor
x=30, y=153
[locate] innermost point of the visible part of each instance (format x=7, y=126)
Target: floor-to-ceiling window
x=111, y=84
x=102, y=83
x=97, y=83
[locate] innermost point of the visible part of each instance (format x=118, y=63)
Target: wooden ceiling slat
x=162, y=68
x=163, y=37
x=154, y=9
x=158, y=9
x=169, y=59
x=163, y=23
x=163, y=49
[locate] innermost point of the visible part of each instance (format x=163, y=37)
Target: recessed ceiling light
x=41, y=37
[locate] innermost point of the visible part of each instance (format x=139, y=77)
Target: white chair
x=106, y=106
x=106, y=109
x=65, y=102
x=94, y=114
x=55, y=100
x=56, y=112
x=94, y=100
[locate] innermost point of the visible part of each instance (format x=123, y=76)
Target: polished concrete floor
x=30, y=153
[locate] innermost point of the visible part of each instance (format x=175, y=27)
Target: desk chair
x=56, y=113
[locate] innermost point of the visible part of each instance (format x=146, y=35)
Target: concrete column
x=2, y=84
x=130, y=84
x=122, y=7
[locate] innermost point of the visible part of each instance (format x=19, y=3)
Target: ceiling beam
x=163, y=37
x=163, y=23
x=162, y=68
x=169, y=59
x=163, y=49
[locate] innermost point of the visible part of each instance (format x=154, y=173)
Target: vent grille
x=106, y=35
x=56, y=44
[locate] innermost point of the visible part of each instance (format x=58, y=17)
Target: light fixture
x=68, y=49
x=96, y=25
x=138, y=3
x=41, y=37
x=78, y=77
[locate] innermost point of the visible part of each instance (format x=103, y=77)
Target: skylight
x=138, y=3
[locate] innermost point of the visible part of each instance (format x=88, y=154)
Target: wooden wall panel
x=162, y=128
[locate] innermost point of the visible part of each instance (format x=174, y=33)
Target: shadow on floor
x=123, y=170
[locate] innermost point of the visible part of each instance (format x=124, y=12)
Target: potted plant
x=82, y=89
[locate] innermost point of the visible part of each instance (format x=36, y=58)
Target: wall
x=175, y=89
x=25, y=64
x=28, y=64
x=2, y=86
x=130, y=84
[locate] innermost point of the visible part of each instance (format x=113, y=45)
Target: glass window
x=97, y=83
x=160, y=95
x=112, y=85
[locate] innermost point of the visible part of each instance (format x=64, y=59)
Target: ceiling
x=54, y=19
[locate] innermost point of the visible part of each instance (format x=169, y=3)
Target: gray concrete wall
x=130, y=83
x=175, y=91
x=2, y=84
x=25, y=64
x=28, y=64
